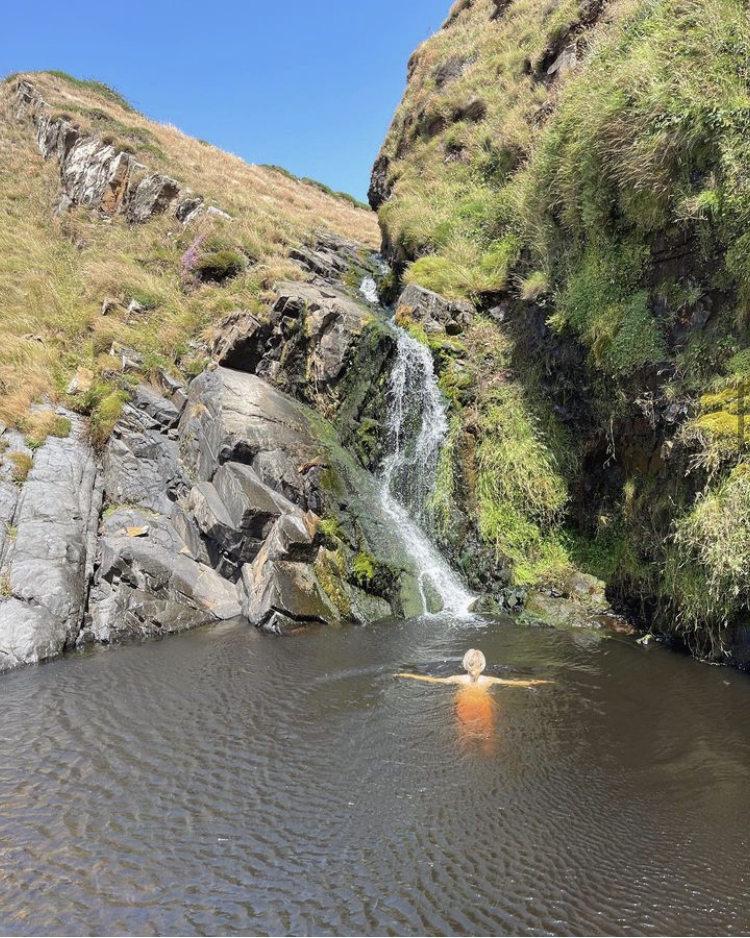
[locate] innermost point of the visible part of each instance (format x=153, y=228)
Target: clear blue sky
x=307, y=85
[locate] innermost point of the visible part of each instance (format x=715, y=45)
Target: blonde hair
x=474, y=662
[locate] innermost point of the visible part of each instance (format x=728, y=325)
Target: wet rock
x=28, y=634
x=271, y=459
x=332, y=324
x=153, y=196
x=486, y=605
x=319, y=345
x=283, y=594
x=434, y=312
x=583, y=607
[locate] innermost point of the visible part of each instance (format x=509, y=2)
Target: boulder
x=270, y=458
x=333, y=323
x=188, y=208
x=95, y=174
x=232, y=416
x=241, y=340
x=320, y=345
x=433, y=311
x=152, y=196
x=283, y=595
x=28, y=634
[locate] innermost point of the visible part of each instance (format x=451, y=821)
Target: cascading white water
x=416, y=427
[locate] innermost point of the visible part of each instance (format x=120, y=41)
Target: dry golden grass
x=55, y=273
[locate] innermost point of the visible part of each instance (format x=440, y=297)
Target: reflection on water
x=228, y=782
x=476, y=719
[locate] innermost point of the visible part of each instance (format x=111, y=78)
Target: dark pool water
x=228, y=782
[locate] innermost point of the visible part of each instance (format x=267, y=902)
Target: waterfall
x=416, y=426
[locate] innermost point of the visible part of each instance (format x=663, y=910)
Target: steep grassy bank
x=579, y=171
x=76, y=285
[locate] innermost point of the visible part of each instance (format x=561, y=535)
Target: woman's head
x=474, y=662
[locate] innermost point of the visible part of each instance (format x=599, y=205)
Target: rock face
x=93, y=173
x=48, y=559
x=380, y=186
x=268, y=468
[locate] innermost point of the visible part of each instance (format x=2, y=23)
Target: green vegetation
x=649, y=133
x=321, y=186
x=363, y=568
x=97, y=88
x=604, y=192
x=43, y=424
x=21, y=463
x=709, y=567
x=218, y=266
x=520, y=494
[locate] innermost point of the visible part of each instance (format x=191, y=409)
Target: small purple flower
x=190, y=257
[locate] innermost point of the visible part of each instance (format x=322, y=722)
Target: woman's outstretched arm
x=529, y=683
x=425, y=677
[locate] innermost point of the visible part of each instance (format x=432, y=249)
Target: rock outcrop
x=95, y=174
x=49, y=553
x=321, y=346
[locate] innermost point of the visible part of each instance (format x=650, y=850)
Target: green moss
x=331, y=571
x=332, y=531
x=363, y=568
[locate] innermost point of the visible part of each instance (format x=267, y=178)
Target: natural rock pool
x=225, y=781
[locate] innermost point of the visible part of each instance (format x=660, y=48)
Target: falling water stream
x=416, y=427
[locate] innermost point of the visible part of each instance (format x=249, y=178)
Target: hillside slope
x=76, y=277
x=578, y=170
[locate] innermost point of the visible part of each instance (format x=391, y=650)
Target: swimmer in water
x=473, y=663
